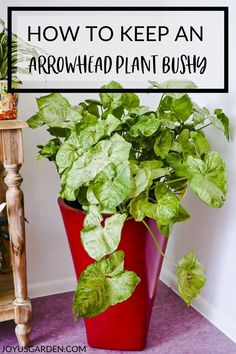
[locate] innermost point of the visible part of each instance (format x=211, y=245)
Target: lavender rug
x=174, y=328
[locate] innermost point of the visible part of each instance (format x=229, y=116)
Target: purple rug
x=174, y=328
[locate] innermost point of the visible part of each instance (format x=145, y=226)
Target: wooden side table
x=11, y=155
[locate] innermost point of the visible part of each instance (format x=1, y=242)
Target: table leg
x=15, y=210
x=6, y=257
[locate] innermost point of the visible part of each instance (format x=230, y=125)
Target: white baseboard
x=52, y=287
x=206, y=309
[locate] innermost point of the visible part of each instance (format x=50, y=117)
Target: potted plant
x=21, y=53
x=124, y=170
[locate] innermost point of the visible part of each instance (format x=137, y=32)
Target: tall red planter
x=125, y=325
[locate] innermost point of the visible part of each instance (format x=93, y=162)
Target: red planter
x=125, y=325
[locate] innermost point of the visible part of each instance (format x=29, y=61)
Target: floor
x=174, y=328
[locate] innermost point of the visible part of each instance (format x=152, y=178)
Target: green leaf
x=113, y=85
x=128, y=119
x=171, y=84
x=93, y=218
x=140, y=182
x=93, y=101
x=208, y=178
x=93, y=109
x=73, y=114
x=53, y=116
x=59, y=132
x=139, y=111
x=154, y=166
x=79, y=143
x=103, y=284
x=130, y=101
x=113, y=265
x=163, y=143
x=66, y=192
x=112, y=124
x=187, y=147
x=86, y=121
x=165, y=230
x=165, y=111
x=182, y=108
x=53, y=99
x=151, y=164
x=99, y=241
x=35, y=121
x=183, y=136
x=168, y=208
x=175, y=109
x=157, y=172
x=221, y=121
x=175, y=161
x=200, y=142
x=167, y=205
x=183, y=215
x=88, y=165
x=135, y=206
x=59, y=116
x=111, y=185
x=122, y=286
x=149, y=209
x=177, y=147
x=114, y=100
x=165, y=211
x=82, y=197
x=92, y=134
x=168, y=124
x=191, y=277
x=68, y=152
x=91, y=196
x=160, y=172
x=199, y=114
x=146, y=125
x=49, y=150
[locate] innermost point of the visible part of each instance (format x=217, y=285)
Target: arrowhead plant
x=117, y=157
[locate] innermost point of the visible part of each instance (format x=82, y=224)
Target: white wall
x=210, y=232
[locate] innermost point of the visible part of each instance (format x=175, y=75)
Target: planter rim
x=61, y=201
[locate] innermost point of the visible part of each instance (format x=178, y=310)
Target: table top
x=12, y=124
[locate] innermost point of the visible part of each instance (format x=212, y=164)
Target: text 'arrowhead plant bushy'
x=116, y=156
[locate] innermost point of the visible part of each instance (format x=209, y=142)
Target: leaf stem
x=120, y=209
x=175, y=180
x=162, y=96
x=157, y=244
x=204, y=126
